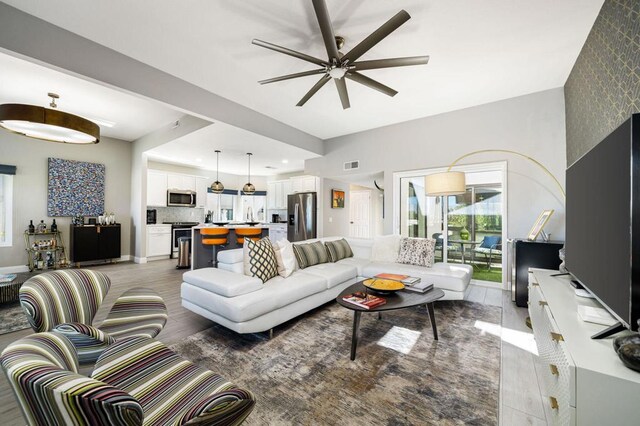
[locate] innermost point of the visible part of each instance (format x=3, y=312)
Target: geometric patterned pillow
x=417, y=251
x=310, y=254
x=338, y=250
x=260, y=259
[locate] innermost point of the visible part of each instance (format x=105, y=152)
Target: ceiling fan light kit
x=217, y=187
x=339, y=66
x=48, y=124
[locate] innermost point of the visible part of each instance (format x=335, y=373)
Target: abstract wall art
x=75, y=188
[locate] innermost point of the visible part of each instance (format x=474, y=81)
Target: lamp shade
x=446, y=183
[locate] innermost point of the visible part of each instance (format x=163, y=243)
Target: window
x=6, y=209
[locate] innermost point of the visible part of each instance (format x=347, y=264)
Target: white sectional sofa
x=246, y=305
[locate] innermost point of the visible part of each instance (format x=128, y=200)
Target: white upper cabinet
x=202, y=184
x=182, y=182
x=271, y=195
x=156, y=189
x=305, y=184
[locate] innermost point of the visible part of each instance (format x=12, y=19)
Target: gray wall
x=339, y=224
x=532, y=125
x=30, y=185
x=603, y=89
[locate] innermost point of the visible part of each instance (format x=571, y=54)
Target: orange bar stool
x=214, y=236
x=252, y=233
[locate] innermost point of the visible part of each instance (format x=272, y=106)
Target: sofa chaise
x=247, y=305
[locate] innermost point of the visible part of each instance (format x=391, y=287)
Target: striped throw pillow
x=260, y=259
x=338, y=250
x=310, y=254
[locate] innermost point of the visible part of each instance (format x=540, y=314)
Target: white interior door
x=359, y=214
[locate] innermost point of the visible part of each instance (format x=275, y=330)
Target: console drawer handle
x=542, y=303
x=554, y=370
x=557, y=337
x=535, y=284
x=554, y=403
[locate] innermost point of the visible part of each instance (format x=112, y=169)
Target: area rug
x=303, y=375
x=12, y=318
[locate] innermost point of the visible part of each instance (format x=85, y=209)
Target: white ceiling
x=481, y=51
x=197, y=149
x=132, y=117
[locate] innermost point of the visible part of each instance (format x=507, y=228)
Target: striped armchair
x=66, y=301
x=137, y=381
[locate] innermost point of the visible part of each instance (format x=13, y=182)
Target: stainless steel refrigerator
x=302, y=216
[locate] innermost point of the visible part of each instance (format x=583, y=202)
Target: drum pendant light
x=48, y=124
x=249, y=188
x=217, y=187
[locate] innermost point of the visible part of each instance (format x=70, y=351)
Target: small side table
x=464, y=243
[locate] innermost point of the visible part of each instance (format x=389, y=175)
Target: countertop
x=240, y=225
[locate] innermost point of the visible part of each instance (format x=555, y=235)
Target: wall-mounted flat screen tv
x=603, y=223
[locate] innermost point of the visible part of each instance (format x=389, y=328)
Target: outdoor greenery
x=481, y=273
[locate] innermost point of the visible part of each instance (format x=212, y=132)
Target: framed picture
x=337, y=199
x=539, y=224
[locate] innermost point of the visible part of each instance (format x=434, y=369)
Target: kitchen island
x=202, y=256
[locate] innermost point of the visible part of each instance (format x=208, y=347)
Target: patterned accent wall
x=603, y=89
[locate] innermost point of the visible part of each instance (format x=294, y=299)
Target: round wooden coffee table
x=398, y=300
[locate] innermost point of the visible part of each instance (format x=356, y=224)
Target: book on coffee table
x=404, y=279
x=7, y=278
x=366, y=301
x=419, y=287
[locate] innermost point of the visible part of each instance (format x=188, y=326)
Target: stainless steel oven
x=179, y=229
x=180, y=198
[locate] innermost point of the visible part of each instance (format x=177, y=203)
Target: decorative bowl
x=220, y=223
x=252, y=223
x=382, y=285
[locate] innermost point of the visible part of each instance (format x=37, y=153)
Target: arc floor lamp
x=454, y=183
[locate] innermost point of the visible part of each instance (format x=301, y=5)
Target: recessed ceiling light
x=285, y=161
x=269, y=167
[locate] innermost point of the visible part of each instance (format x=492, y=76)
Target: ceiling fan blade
x=391, y=62
x=341, y=84
x=326, y=29
x=375, y=37
x=324, y=80
x=289, y=52
x=369, y=82
x=290, y=76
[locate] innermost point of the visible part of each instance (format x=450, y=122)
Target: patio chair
x=68, y=300
x=439, y=245
x=490, y=248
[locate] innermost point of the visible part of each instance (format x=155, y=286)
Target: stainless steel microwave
x=180, y=198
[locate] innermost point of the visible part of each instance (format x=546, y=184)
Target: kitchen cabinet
x=202, y=185
x=277, y=193
x=156, y=189
x=89, y=243
x=158, y=240
x=182, y=182
x=305, y=184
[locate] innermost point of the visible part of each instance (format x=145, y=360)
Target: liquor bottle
x=32, y=229
x=54, y=226
x=42, y=227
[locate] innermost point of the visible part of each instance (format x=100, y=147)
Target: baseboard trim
x=125, y=258
x=137, y=259
x=14, y=269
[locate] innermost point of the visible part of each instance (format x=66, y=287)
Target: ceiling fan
x=340, y=66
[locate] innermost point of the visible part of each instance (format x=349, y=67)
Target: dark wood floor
x=162, y=276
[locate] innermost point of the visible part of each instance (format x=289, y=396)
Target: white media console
x=585, y=381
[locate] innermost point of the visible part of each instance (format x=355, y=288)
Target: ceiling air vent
x=352, y=165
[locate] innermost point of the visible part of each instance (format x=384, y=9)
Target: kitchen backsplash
x=179, y=214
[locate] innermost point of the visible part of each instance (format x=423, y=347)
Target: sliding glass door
x=467, y=228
